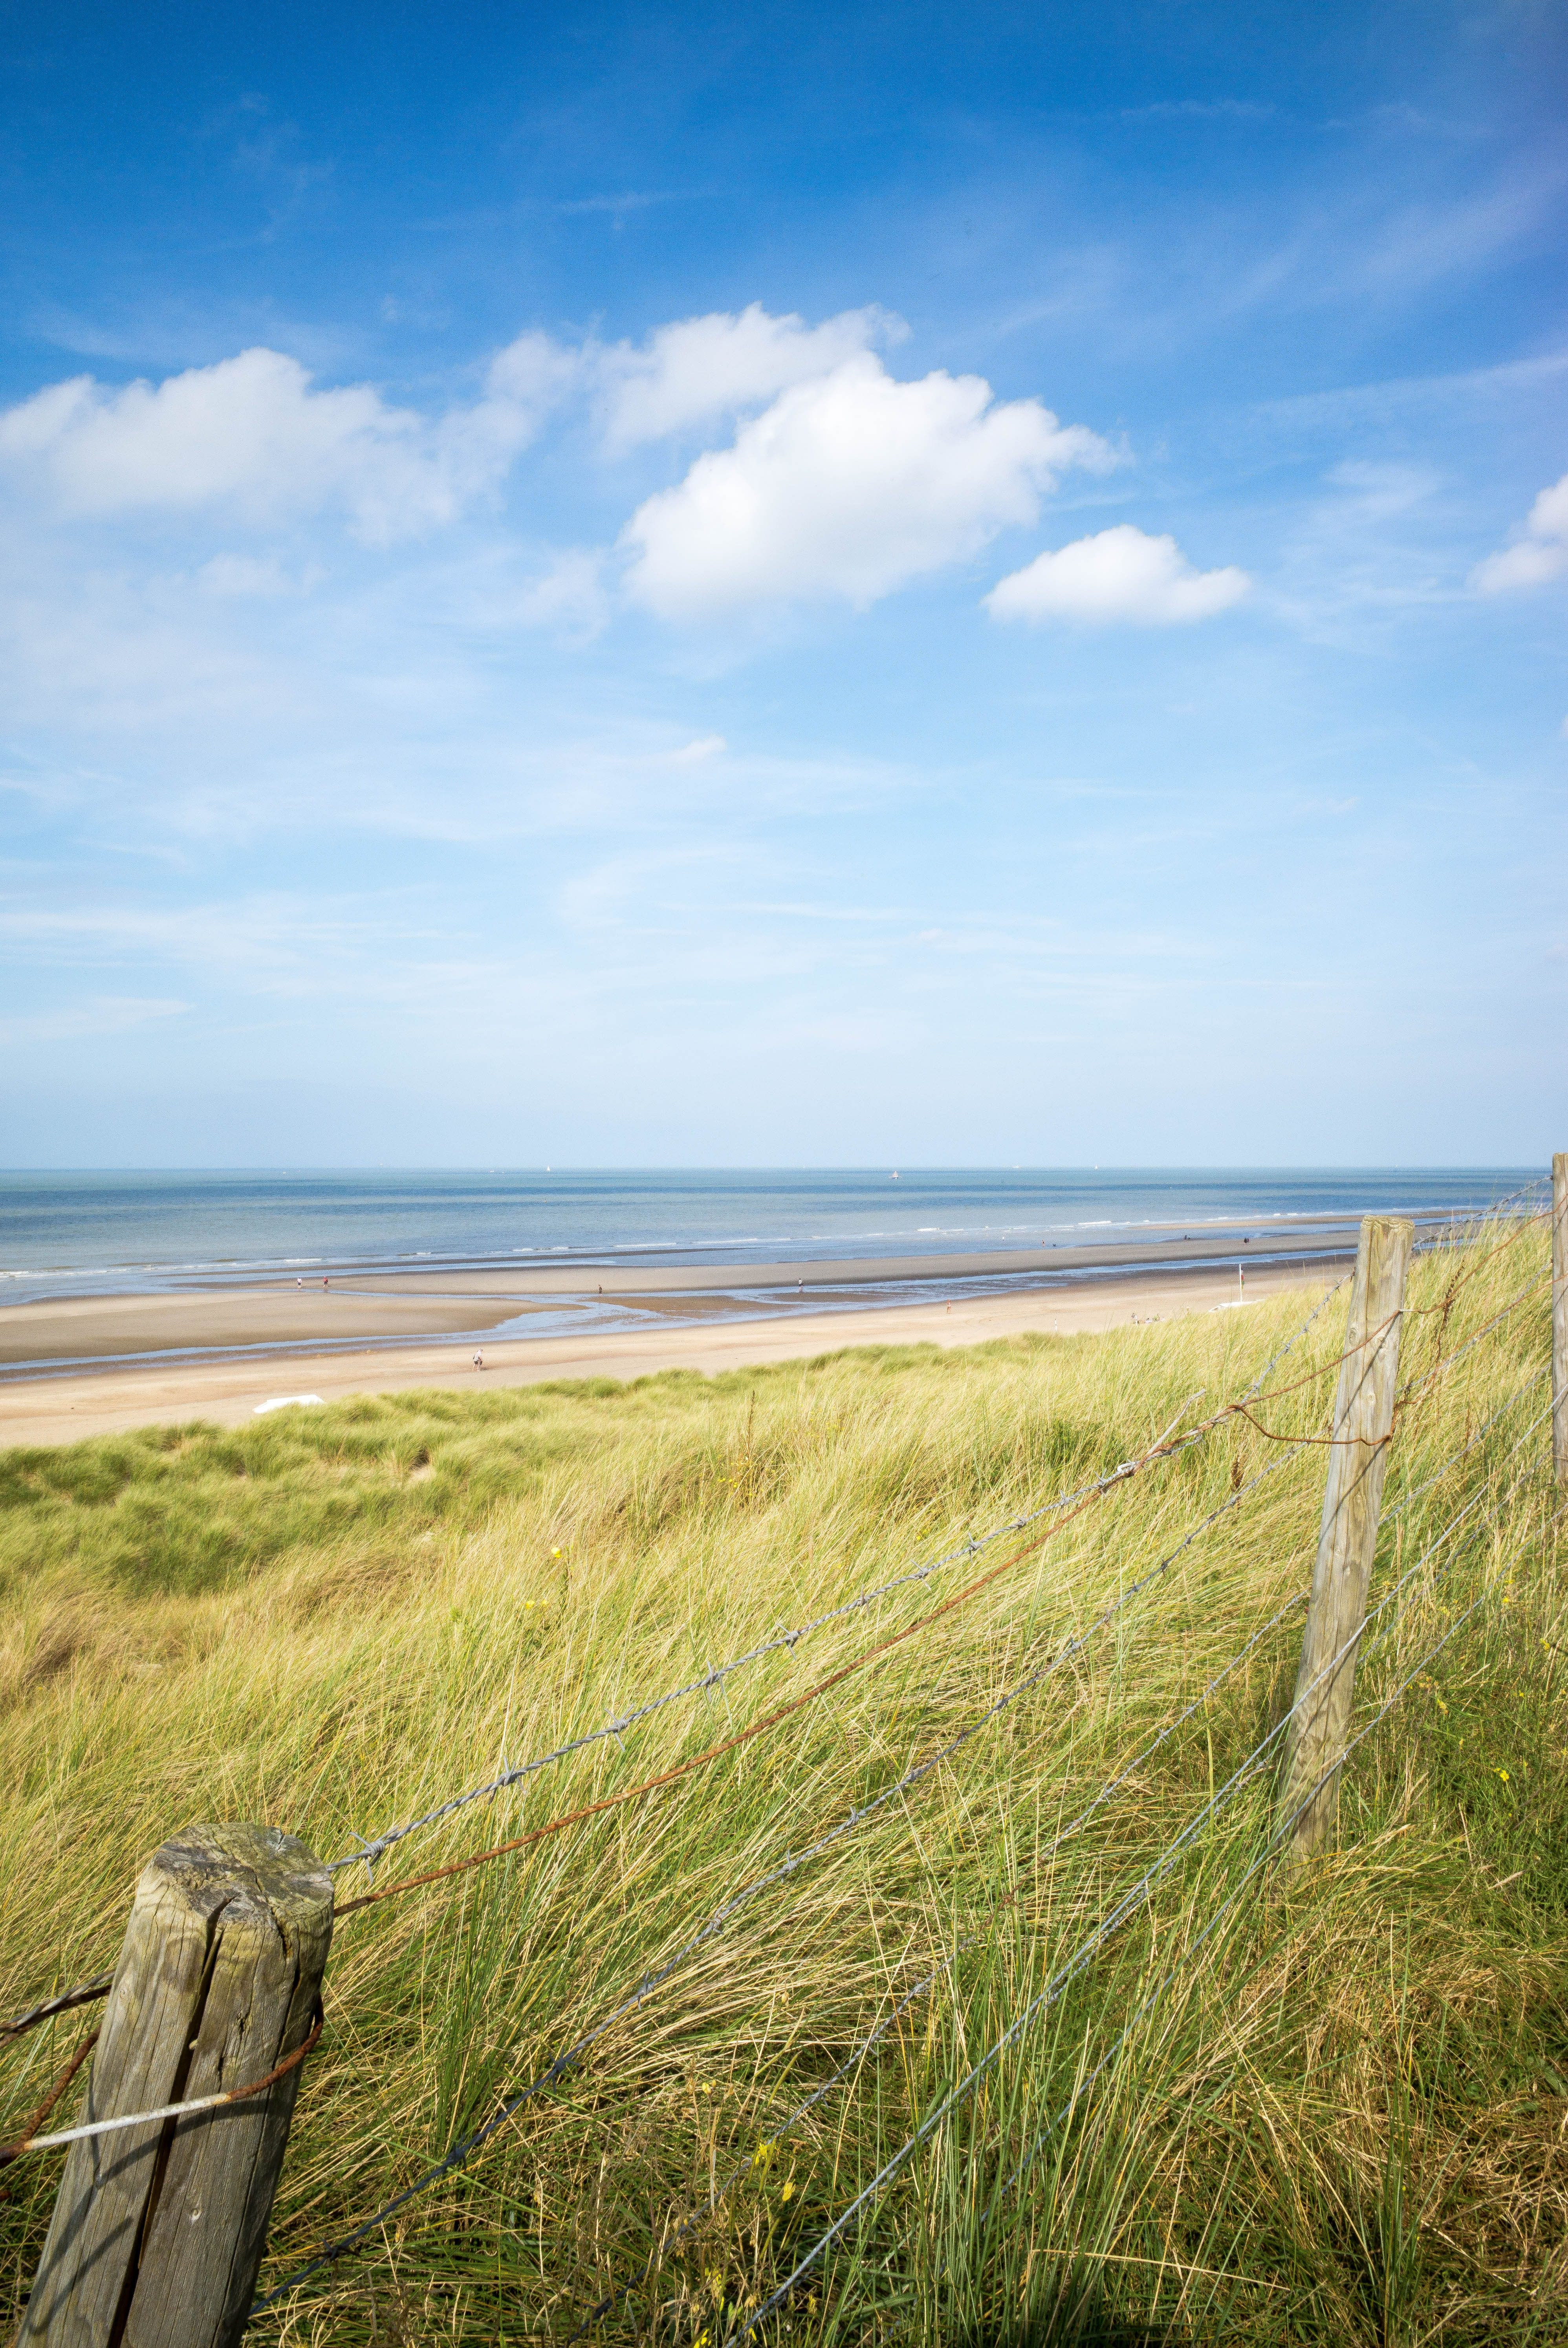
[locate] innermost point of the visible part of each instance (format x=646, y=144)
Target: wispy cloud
x=1201, y=109
x=1540, y=550
x=98, y=1015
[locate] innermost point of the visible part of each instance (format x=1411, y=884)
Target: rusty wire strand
x=1282, y=1828
x=35, y=2118
x=374, y=1848
x=682, y=1769
x=461, y=2151
x=187, y=2110
x=928, y=1980
x=1065, y=1974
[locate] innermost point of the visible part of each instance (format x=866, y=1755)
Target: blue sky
x=789, y=586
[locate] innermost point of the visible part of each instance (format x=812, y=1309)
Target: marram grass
x=1345, y=2117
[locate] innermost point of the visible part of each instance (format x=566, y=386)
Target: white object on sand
x=282, y=1402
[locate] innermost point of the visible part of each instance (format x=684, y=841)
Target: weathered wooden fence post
x=159, y=2230
x=1560, y=1316
x=1363, y=1418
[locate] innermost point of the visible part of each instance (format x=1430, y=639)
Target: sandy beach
x=355, y=1308
x=62, y=1406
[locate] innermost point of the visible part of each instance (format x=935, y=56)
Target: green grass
x=1345, y=2120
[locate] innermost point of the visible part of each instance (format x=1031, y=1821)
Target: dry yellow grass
x=1343, y=2119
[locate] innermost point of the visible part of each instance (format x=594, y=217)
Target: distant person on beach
x=478, y=1361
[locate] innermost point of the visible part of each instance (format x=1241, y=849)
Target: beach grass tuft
x=1332, y=2107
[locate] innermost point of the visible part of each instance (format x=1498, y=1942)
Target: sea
x=84, y=1233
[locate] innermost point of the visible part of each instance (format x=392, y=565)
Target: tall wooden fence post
x=1560, y=1316
x=1363, y=1418
x=157, y=2231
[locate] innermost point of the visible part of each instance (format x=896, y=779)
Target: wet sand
x=361, y=1307
x=63, y=1406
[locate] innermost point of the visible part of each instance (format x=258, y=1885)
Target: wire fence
x=930, y=1980
x=1060, y=1511
x=1164, y=1447
x=1126, y=1906
x=464, y=2148
x=376, y=1848
x=31, y=2141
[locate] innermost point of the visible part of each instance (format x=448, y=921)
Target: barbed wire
x=770, y=1720
x=1282, y=1828
x=460, y=2152
x=100, y=1986
x=86, y=1991
x=1162, y=1448
x=686, y=1767
x=930, y=1980
x=83, y=1994
x=376, y=1848
x=463, y=2150
x=1465, y=1448
x=1065, y=1974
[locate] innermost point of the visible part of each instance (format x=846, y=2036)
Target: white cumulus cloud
x=849, y=485
x=1542, y=553
x=698, y=369
x=1118, y=575
x=251, y=433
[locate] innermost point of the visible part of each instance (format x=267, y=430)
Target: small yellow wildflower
x=1502, y=1774
x=788, y=2189
x=762, y=2158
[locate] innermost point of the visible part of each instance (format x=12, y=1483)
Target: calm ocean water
x=74, y=1234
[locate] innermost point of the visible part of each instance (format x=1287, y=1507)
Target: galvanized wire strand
x=716, y=1675
x=1281, y=1830
x=1482, y=1432
x=680, y=1770
x=461, y=2151
x=83, y=1994
x=187, y=2110
x=1441, y=1368
x=99, y=1987
x=928, y=1980
x=1065, y=1974
x=374, y=1851
x=1163, y=1447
